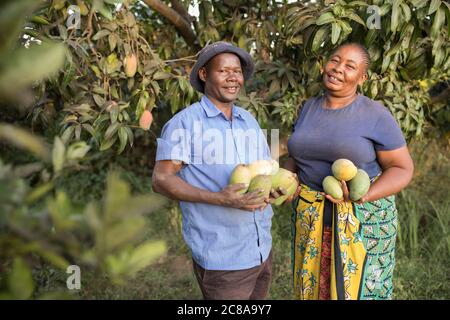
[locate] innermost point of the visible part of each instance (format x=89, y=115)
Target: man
x=228, y=232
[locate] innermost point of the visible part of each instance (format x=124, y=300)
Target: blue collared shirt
x=220, y=238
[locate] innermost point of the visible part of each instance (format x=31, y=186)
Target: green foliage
x=104, y=237
x=18, y=67
x=97, y=99
x=96, y=102
x=59, y=205
x=423, y=244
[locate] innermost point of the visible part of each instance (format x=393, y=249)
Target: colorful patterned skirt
x=352, y=260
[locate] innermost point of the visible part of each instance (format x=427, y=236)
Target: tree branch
x=183, y=26
x=179, y=7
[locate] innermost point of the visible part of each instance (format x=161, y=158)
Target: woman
x=344, y=249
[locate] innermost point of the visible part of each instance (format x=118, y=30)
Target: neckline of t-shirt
x=322, y=98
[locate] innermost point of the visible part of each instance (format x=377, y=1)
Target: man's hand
x=275, y=194
x=230, y=197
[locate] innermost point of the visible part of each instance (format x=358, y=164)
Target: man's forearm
x=176, y=188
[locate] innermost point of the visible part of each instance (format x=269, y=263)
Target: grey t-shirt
x=355, y=132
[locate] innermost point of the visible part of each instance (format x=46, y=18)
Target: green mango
x=359, y=185
x=332, y=186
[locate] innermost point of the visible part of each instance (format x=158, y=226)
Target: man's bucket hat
x=212, y=50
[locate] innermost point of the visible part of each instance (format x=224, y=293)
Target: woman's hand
x=346, y=195
x=230, y=197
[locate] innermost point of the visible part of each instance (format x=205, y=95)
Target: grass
x=423, y=244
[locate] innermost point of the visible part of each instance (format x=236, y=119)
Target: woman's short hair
x=360, y=47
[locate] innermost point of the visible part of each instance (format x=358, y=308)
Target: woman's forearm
x=391, y=181
x=289, y=164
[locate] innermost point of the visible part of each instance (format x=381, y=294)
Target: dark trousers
x=248, y=284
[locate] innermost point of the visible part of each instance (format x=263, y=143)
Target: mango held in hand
x=284, y=179
x=343, y=169
x=359, y=185
x=241, y=174
x=275, y=166
x=130, y=64
x=332, y=186
x=146, y=120
x=260, y=167
x=261, y=182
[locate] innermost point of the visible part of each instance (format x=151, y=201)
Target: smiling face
x=223, y=78
x=344, y=71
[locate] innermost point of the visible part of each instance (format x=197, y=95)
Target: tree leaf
x=77, y=150
x=99, y=101
x=160, y=75
x=419, y=3
x=130, y=135
x=67, y=134
x=112, y=40
x=12, y=19
x=107, y=143
x=395, y=15
x=438, y=21
x=58, y=154
x=123, y=139
x=20, y=280
x=144, y=255
x=435, y=4
x=325, y=18
x=24, y=140
x=319, y=38
x=114, y=113
x=335, y=32
x=102, y=33
x=353, y=16
x=112, y=129
x=22, y=69
x=406, y=11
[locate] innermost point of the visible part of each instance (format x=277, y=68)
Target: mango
x=359, y=185
x=284, y=179
x=343, y=169
x=263, y=182
x=275, y=166
x=83, y=8
x=146, y=120
x=58, y=4
x=130, y=64
x=240, y=174
x=260, y=167
x=332, y=186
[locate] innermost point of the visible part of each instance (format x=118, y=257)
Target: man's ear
x=363, y=79
x=202, y=74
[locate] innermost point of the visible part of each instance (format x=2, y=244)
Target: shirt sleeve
x=175, y=141
x=387, y=133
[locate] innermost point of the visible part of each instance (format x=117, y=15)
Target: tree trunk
x=180, y=23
